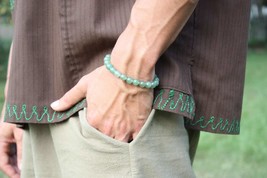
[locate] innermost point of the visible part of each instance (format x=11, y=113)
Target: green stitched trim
x=216, y=124
x=12, y=112
x=12, y=4
x=182, y=102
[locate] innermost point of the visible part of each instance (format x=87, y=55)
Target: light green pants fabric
x=74, y=149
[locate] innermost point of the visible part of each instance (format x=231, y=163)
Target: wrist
x=133, y=57
x=133, y=67
x=127, y=79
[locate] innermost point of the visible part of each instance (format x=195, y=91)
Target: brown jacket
x=201, y=74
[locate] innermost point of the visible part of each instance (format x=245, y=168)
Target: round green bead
x=142, y=84
x=112, y=70
x=136, y=82
x=129, y=80
x=123, y=77
x=108, y=66
x=154, y=84
x=148, y=84
x=117, y=73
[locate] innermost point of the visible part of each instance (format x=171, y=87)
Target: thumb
x=72, y=97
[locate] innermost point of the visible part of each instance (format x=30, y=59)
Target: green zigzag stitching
x=186, y=105
x=222, y=124
x=11, y=111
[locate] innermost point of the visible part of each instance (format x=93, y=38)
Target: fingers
x=108, y=126
x=6, y=161
x=10, y=171
x=126, y=138
x=118, y=130
x=72, y=97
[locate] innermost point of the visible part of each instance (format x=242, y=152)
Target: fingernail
x=55, y=104
x=20, y=165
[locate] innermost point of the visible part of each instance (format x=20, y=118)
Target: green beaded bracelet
x=129, y=80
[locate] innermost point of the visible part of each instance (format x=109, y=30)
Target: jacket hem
x=214, y=125
x=174, y=101
x=42, y=115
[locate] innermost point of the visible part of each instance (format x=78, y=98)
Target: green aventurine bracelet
x=129, y=80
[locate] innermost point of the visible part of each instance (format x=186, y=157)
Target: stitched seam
x=182, y=102
x=26, y=114
x=216, y=124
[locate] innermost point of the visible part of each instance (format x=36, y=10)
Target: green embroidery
x=216, y=124
x=185, y=101
x=12, y=112
x=12, y=4
x=157, y=98
x=170, y=98
x=60, y=115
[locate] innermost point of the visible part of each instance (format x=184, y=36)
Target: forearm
x=152, y=27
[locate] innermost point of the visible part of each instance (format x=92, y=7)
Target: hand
x=115, y=108
x=10, y=149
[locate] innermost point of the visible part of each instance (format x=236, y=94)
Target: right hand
x=10, y=149
x=116, y=109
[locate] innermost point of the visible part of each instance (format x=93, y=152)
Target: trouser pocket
x=91, y=133
x=159, y=150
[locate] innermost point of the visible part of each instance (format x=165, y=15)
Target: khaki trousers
x=74, y=149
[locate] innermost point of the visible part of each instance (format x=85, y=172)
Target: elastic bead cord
x=129, y=80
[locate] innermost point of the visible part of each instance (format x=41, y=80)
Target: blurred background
x=243, y=156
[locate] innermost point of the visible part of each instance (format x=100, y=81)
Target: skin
x=10, y=149
x=115, y=108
